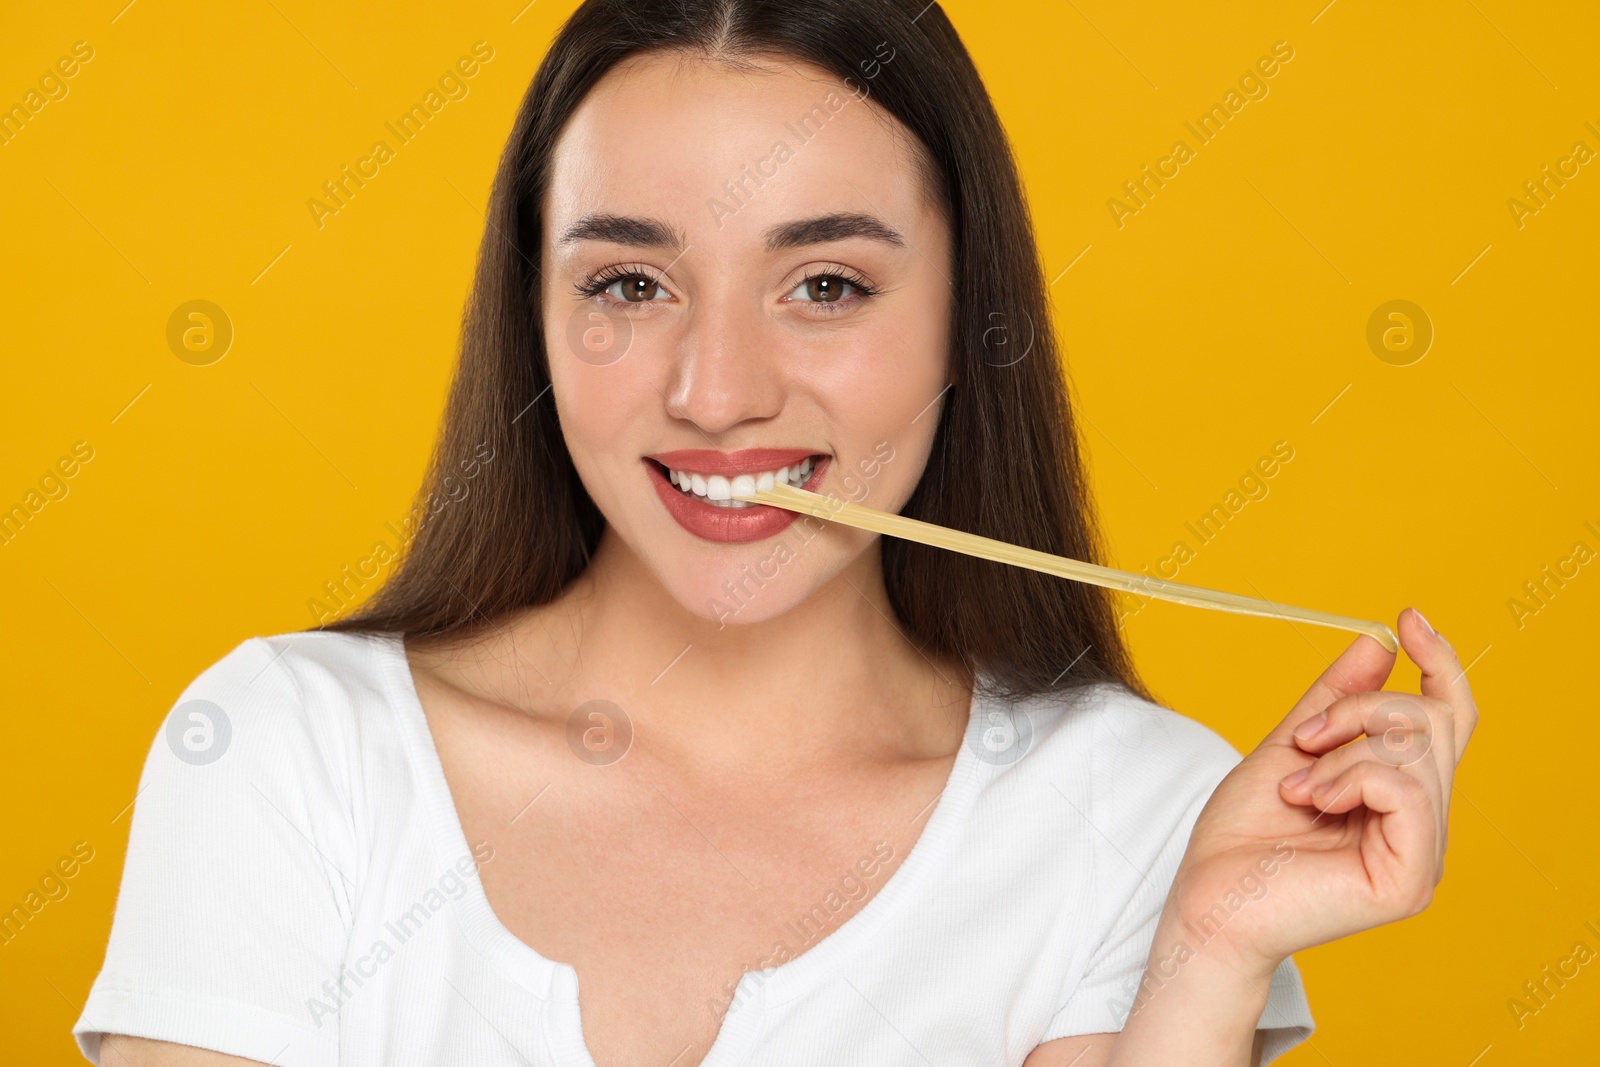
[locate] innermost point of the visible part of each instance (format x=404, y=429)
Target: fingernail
x=1312, y=726
x=1426, y=625
x=1297, y=777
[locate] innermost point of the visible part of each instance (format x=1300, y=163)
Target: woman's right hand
x=1276, y=864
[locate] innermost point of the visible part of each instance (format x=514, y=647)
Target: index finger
x=1443, y=677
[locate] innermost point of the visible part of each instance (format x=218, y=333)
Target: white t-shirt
x=299, y=890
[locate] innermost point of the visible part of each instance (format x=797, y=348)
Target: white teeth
x=735, y=492
x=797, y=474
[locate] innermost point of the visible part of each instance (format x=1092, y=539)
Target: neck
x=834, y=674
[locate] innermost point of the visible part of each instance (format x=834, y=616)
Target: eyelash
x=602, y=280
x=863, y=290
x=605, y=278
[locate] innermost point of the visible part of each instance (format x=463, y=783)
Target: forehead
x=719, y=150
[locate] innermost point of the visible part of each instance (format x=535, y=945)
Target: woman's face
x=742, y=260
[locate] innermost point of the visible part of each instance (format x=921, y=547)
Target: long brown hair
x=1005, y=461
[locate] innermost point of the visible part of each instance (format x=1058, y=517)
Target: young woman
x=767, y=790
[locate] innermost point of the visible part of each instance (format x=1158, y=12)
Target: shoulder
x=302, y=660
x=1123, y=753
x=288, y=676
x=282, y=743
x=290, y=704
x=1110, y=726
x=252, y=841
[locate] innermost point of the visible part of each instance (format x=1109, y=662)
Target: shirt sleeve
x=236, y=893
x=1152, y=774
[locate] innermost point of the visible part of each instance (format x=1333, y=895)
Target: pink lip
x=728, y=525
x=728, y=464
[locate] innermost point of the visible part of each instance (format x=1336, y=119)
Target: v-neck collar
x=556, y=983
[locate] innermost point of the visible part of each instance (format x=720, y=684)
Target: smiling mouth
x=720, y=491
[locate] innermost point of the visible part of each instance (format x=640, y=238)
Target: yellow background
x=1228, y=314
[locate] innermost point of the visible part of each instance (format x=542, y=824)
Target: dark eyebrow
x=622, y=230
x=835, y=227
x=653, y=233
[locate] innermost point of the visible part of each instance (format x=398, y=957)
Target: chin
x=761, y=584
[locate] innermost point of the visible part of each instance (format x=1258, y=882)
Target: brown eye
x=831, y=287
x=825, y=288
x=638, y=289
x=619, y=284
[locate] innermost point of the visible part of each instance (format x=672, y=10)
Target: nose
x=728, y=367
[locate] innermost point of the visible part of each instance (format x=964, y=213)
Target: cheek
x=595, y=405
x=884, y=397
x=601, y=409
